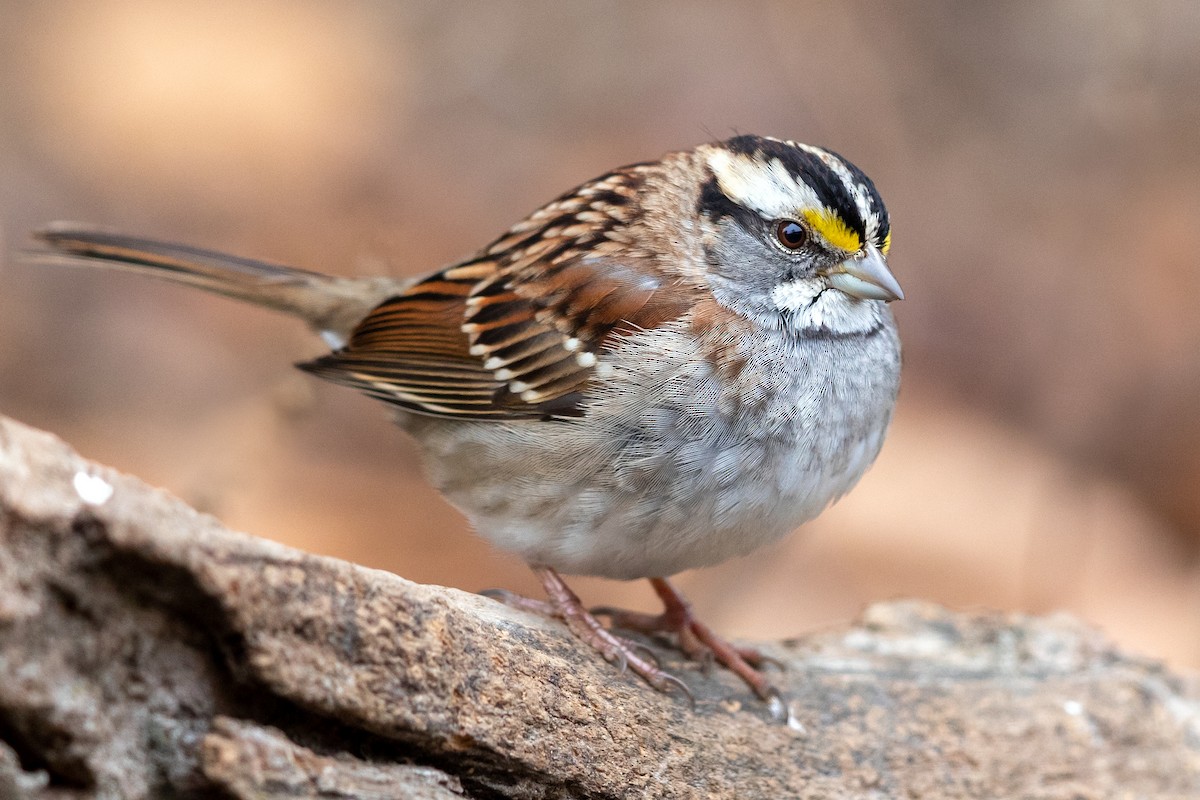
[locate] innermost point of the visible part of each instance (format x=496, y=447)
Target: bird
x=669, y=366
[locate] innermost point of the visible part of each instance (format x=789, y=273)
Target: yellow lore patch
x=833, y=229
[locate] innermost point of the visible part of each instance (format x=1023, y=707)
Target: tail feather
x=330, y=305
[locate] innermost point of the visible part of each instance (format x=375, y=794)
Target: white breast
x=670, y=469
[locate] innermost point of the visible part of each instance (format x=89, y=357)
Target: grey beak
x=866, y=276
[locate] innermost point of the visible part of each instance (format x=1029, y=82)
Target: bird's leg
x=566, y=605
x=696, y=639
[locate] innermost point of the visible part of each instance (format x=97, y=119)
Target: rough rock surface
x=146, y=651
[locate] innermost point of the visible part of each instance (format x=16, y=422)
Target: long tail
x=330, y=305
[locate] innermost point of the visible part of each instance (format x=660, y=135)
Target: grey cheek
x=744, y=258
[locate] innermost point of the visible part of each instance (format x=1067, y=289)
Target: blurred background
x=1040, y=162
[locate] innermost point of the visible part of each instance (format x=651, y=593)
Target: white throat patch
x=814, y=306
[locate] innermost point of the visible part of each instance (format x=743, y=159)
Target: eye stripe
x=833, y=229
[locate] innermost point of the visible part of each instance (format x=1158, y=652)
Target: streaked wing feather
x=515, y=333
x=411, y=351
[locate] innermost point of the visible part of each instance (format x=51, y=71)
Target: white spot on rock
x=92, y=489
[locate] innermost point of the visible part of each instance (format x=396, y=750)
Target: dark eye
x=790, y=234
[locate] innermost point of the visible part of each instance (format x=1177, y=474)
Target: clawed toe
x=693, y=638
x=700, y=643
x=645, y=652
x=777, y=705
x=758, y=659
x=631, y=620
x=625, y=654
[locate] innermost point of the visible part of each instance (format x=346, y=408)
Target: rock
x=147, y=651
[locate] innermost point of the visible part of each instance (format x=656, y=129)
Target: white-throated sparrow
x=666, y=367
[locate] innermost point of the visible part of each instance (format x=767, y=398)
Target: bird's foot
x=564, y=604
x=698, y=641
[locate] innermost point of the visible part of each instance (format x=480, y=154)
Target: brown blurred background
x=1041, y=162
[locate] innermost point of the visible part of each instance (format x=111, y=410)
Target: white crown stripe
x=772, y=191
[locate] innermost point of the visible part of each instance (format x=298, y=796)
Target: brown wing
x=515, y=333
x=411, y=351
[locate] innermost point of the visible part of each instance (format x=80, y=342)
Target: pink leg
x=696, y=639
x=566, y=605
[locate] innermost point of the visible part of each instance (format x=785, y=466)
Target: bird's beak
x=866, y=276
